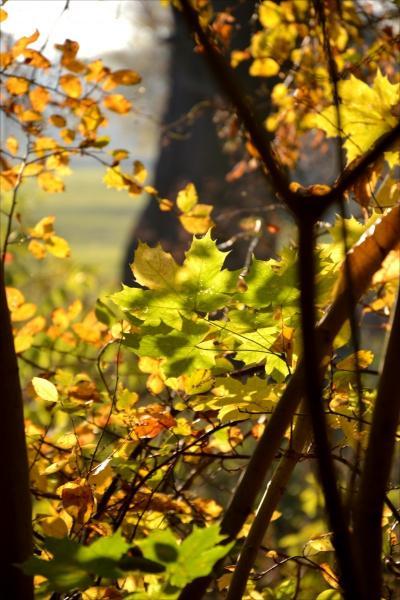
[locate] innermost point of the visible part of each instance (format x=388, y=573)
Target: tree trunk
x=15, y=502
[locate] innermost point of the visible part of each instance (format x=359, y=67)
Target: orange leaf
x=71, y=85
x=122, y=77
x=117, y=103
x=39, y=98
x=17, y=86
x=23, y=42
x=35, y=59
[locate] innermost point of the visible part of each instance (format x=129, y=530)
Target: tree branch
x=378, y=461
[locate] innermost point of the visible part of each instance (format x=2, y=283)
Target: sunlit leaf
x=45, y=389
x=117, y=103
x=71, y=85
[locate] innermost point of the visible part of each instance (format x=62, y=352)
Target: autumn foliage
x=142, y=411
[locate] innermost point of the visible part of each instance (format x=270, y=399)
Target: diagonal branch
x=268, y=504
x=245, y=110
x=378, y=461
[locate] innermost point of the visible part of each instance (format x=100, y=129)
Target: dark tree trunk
x=15, y=502
x=192, y=150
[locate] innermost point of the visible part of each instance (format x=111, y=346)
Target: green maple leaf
x=271, y=283
x=74, y=565
x=365, y=113
x=183, y=351
x=200, y=285
x=194, y=557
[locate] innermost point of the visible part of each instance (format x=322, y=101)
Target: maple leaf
x=365, y=113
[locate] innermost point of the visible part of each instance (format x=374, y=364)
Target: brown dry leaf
x=57, y=120
x=77, y=499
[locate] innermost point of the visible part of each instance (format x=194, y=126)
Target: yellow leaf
x=71, y=85
x=37, y=249
x=22, y=343
x=154, y=268
x=322, y=543
x=96, y=71
x=365, y=358
x=54, y=527
x=121, y=77
x=119, y=154
x=58, y=246
x=45, y=389
x=365, y=111
x=155, y=384
x=17, y=86
x=44, y=145
x=43, y=228
x=264, y=67
x=187, y=198
x=26, y=115
x=39, y=98
x=117, y=103
x=198, y=220
x=23, y=312
x=49, y=183
x=269, y=14
x=57, y=120
x=12, y=144
x=115, y=179
x=3, y=15
x=139, y=172
x=390, y=269
x=33, y=169
x=15, y=298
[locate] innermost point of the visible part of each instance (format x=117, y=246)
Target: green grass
x=96, y=221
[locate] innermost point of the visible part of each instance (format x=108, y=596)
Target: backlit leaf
x=117, y=103
x=45, y=389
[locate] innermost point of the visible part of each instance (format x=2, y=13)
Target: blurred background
x=95, y=220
